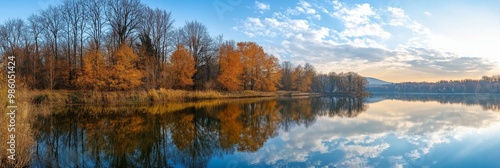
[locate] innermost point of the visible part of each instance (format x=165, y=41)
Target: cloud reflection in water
x=391, y=133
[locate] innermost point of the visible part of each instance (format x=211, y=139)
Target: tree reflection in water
x=139, y=137
x=486, y=101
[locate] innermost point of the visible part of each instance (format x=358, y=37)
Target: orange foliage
x=231, y=127
x=94, y=74
x=261, y=71
x=303, y=77
x=231, y=68
x=123, y=74
x=184, y=131
x=272, y=74
x=183, y=67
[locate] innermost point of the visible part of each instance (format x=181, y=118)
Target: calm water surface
x=385, y=130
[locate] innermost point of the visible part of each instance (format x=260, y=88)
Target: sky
x=393, y=40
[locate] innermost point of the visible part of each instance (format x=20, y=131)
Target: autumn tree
x=124, y=74
x=87, y=44
x=302, y=77
x=307, y=79
x=287, y=73
x=272, y=74
x=253, y=55
x=297, y=75
x=230, y=66
x=94, y=74
x=182, y=68
x=260, y=70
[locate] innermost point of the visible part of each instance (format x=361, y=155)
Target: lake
x=385, y=130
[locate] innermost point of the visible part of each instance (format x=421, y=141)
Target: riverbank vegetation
x=18, y=124
x=138, y=97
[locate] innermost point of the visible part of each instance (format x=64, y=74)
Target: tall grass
x=156, y=96
x=24, y=141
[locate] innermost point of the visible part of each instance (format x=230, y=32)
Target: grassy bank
x=24, y=141
x=159, y=96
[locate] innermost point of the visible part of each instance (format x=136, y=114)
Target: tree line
x=111, y=45
x=487, y=84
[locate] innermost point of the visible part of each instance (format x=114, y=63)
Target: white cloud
x=306, y=7
x=336, y=5
x=399, y=18
x=366, y=30
x=358, y=21
x=262, y=7
x=358, y=42
x=427, y=13
x=358, y=15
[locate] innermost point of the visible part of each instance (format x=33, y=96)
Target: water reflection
x=341, y=132
x=487, y=101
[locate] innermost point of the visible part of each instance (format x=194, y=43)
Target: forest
x=487, y=84
x=122, y=45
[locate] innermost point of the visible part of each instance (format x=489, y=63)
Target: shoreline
x=155, y=96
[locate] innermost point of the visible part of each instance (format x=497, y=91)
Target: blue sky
x=392, y=40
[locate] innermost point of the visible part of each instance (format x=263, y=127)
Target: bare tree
x=73, y=15
x=158, y=25
x=52, y=21
x=287, y=77
x=198, y=41
x=11, y=35
x=35, y=29
x=96, y=21
x=155, y=31
x=124, y=17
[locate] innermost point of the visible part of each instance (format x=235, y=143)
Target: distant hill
x=375, y=82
